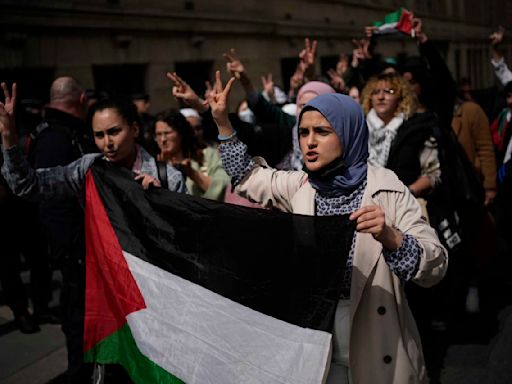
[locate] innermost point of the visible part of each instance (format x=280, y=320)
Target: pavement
x=479, y=351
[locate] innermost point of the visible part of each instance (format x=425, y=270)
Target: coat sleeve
x=407, y=218
x=270, y=187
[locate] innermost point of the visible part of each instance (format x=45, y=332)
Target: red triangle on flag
x=111, y=292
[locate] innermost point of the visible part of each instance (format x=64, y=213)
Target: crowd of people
x=401, y=147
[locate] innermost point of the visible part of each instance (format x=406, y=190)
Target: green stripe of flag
x=120, y=348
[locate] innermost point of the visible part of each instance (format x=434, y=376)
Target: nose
x=311, y=140
x=108, y=141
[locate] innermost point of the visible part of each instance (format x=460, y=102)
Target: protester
x=116, y=127
x=180, y=147
x=501, y=69
x=61, y=138
x=399, y=139
x=266, y=112
x=393, y=244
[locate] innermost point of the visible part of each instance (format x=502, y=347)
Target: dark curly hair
x=190, y=145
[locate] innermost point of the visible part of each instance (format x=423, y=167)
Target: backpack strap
x=161, y=167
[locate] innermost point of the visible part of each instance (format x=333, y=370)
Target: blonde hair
x=406, y=101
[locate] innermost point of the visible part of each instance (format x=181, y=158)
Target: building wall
x=79, y=37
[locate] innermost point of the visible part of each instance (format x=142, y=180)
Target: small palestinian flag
x=183, y=289
x=398, y=21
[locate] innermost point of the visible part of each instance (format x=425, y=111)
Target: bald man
x=60, y=139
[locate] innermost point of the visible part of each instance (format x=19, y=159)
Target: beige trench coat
x=385, y=346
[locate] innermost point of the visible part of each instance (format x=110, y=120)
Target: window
x=195, y=73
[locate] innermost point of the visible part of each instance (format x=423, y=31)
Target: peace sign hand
x=7, y=113
x=181, y=90
x=307, y=58
x=218, y=100
x=268, y=85
x=233, y=64
x=497, y=36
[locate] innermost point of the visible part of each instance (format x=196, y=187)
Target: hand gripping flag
x=183, y=289
x=398, y=21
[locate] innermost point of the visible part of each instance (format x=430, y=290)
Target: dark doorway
x=195, y=73
x=288, y=67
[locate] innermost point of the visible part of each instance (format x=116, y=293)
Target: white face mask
x=247, y=116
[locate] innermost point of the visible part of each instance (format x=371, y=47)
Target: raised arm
x=253, y=178
x=237, y=69
x=182, y=91
x=7, y=113
x=501, y=69
x=22, y=179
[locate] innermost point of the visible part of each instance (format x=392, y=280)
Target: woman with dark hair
x=179, y=146
x=115, y=126
x=375, y=338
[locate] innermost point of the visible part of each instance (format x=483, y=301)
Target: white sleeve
x=502, y=71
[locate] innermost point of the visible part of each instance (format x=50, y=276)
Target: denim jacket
x=67, y=181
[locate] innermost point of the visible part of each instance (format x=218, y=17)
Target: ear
x=83, y=98
x=136, y=129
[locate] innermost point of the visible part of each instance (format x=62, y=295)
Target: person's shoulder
x=471, y=107
x=380, y=178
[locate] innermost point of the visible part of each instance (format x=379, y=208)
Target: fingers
x=227, y=89
x=332, y=73
x=307, y=44
x=147, y=180
x=208, y=85
x=14, y=93
x=313, y=47
x=373, y=226
x=218, y=83
x=363, y=210
x=369, y=219
x=6, y=93
x=230, y=56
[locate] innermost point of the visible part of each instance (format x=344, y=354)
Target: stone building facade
x=129, y=45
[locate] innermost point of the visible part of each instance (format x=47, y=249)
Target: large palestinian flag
x=182, y=289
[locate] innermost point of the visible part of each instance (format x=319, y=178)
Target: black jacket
x=404, y=154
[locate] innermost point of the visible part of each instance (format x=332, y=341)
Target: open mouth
x=311, y=156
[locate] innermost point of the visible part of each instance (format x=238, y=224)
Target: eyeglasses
x=163, y=134
x=387, y=91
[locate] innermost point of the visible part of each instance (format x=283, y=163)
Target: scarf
x=381, y=137
x=346, y=173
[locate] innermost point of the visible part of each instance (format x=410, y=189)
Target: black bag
x=445, y=219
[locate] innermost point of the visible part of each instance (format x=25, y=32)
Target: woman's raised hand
x=268, y=85
x=218, y=100
x=336, y=80
x=497, y=36
x=7, y=112
x=307, y=58
x=372, y=219
x=233, y=64
x=181, y=90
